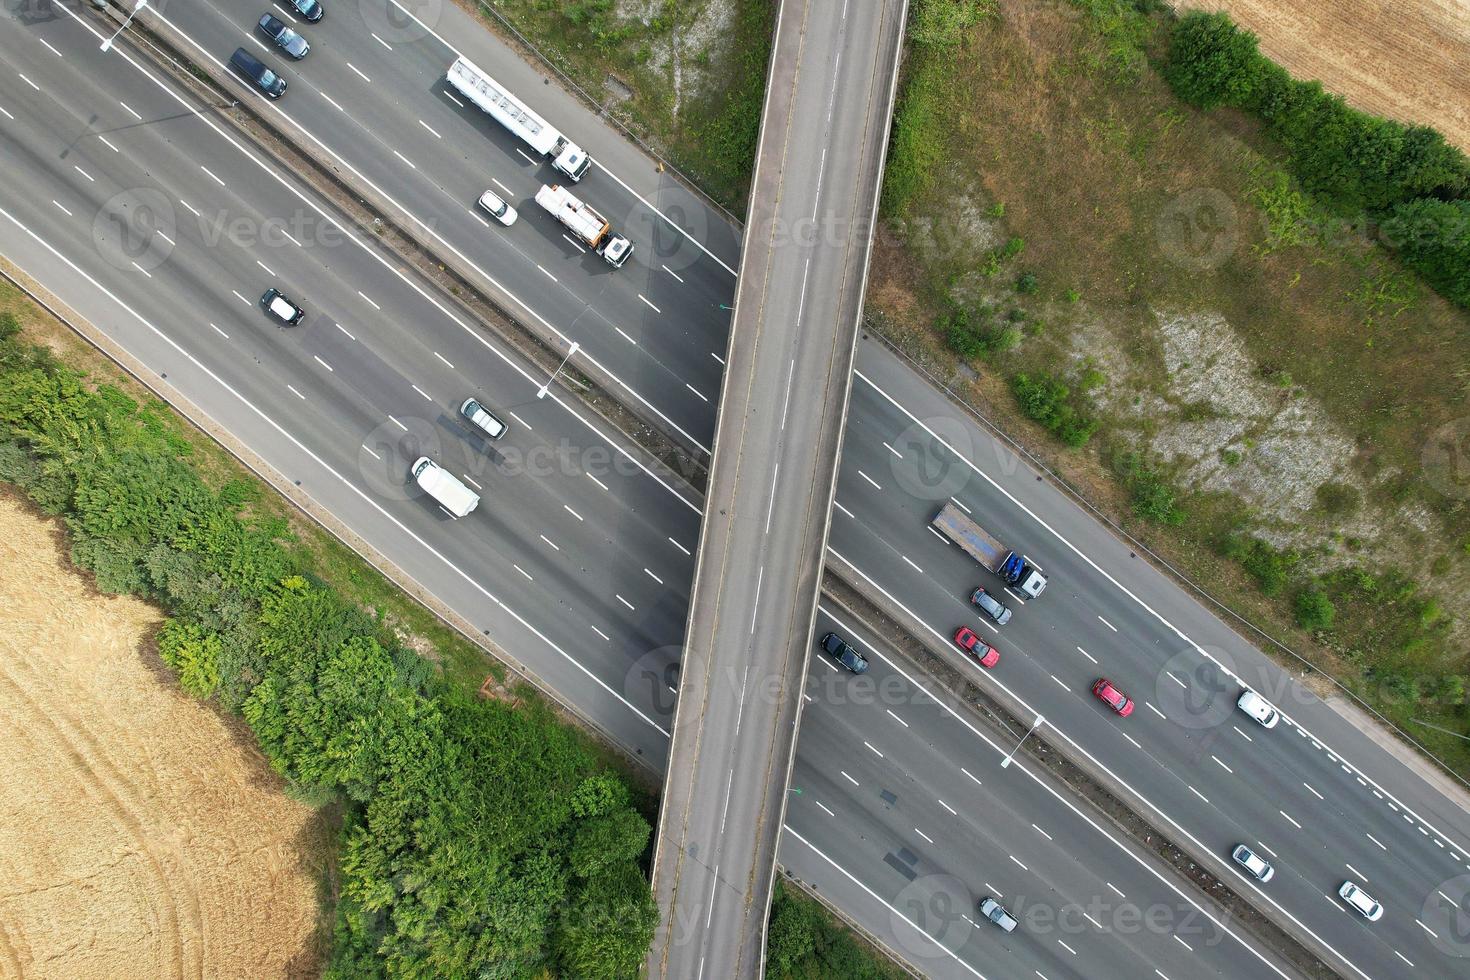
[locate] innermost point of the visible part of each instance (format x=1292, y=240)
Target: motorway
x=758, y=571
x=1112, y=606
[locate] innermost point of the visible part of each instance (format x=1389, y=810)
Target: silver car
x=286, y=39
x=1361, y=901
x=996, y=913
x=1258, y=867
x=481, y=418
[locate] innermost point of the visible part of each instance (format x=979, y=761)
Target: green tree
x=1212, y=62
x=1314, y=610
x=193, y=653
x=1433, y=237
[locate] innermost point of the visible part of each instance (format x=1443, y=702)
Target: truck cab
x=571, y=160
x=1021, y=574
x=616, y=250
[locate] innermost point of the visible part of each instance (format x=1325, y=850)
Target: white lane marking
x=948, y=807
x=142, y=270
x=28, y=81
x=1079, y=649
x=618, y=329
x=268, y=270
x=468, y=479
x=624, y=601
x=191, y=208
x=1267, y=849
x=1184, y=944
x=497, y=183
x=1314, y=792
x=398, y=423
x=288, y=15
x=241, y=298
x=84, y=173
x=405, y=159
x=936, y=534
x=1242, y=734
x=48, y=44
x=971, y=775
x=573, y=513
x=7, y=113
x=673, y=273
x=323, y=363
x=63, y=208
x=1289, y=820
x=960, y=506
x=896, y=717
x=454, y=100
x=444, y=359
x=368, y=301
x=923, y=835
x=220, y=332
x=1131, y=739
x=1018, y=862
x=522, y=571
x=334, y=102
x=856, y=783
x=838, y=504
x=687, y=552
x=600, y=633
x=1092, y=920
x=1222, y=765
x=130, y=109
x=824, y=807
x=550, y=542
x=1107, y=624
x=1356, y=872
x=422, y=392
x=296, y=393
x=596, y=481
x=1198, y=793
x=1153, y=709
x=344, y=330
x=370, y=452
x=381, y=41
x=212, y=175
x=1041, y=832
x=518, y=418
x=575, y=244
x=1176, y=680
x=911, y=564
x=696, y=391
x=648, y=304
x=548, y=275
x=359, y=73
x=717, y=357
x=526, y=155
x=653, y=576
x=108, y=142
x=870, y=480
x=875, y=751
x=1403, y=957
x=1115, y=889
x=892, y=450
x=1060, y=682
x=1066, y=947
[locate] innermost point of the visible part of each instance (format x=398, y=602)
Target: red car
x=966, y=640
x=1112, y=697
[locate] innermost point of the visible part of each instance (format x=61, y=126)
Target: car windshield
x=267, y=77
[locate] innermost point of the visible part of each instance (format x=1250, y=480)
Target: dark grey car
x=286, y=39
x=844, y=653
x=260, y=76
x=310, y=9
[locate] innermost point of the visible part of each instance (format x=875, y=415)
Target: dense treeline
x=804, y=943
x=480, y=840
x=1406, y=177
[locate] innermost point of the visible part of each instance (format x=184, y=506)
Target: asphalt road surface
x=1376, y=818
x=759, y=565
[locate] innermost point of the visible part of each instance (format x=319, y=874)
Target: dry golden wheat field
x=139, y=836
x=1405, y=59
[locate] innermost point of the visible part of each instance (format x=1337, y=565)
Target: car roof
x=281, y=306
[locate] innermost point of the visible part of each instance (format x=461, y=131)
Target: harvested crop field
x=1405, y=59
x=139, y=835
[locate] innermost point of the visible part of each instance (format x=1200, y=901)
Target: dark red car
x=1112, y=697
x=966, y=640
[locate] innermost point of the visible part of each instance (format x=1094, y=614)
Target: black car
x=286, y=39
x=259, y=75
x=844, y=653
x=278, y=307
x=310, y=9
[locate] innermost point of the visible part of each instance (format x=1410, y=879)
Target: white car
x=498, y=208
x=1258, y=708
x=481, y=419
x=1259, y=868
x=1361, y=901
x=278, y=307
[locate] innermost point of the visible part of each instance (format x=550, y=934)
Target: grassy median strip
x=481, y=834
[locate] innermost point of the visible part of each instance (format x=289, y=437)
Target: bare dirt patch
x=140, y=836
x=1406, y=60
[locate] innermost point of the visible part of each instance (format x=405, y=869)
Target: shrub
x=193, y=653
x=1150, y=493
x=1338, y=498
x=1027, y=284
x=1047, y=400
x=1212, y=62
x=1269, y=566
x=1433, y=238
x=1314, y=610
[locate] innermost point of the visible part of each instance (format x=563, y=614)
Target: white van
x=1258, y=708
x=442, y=485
